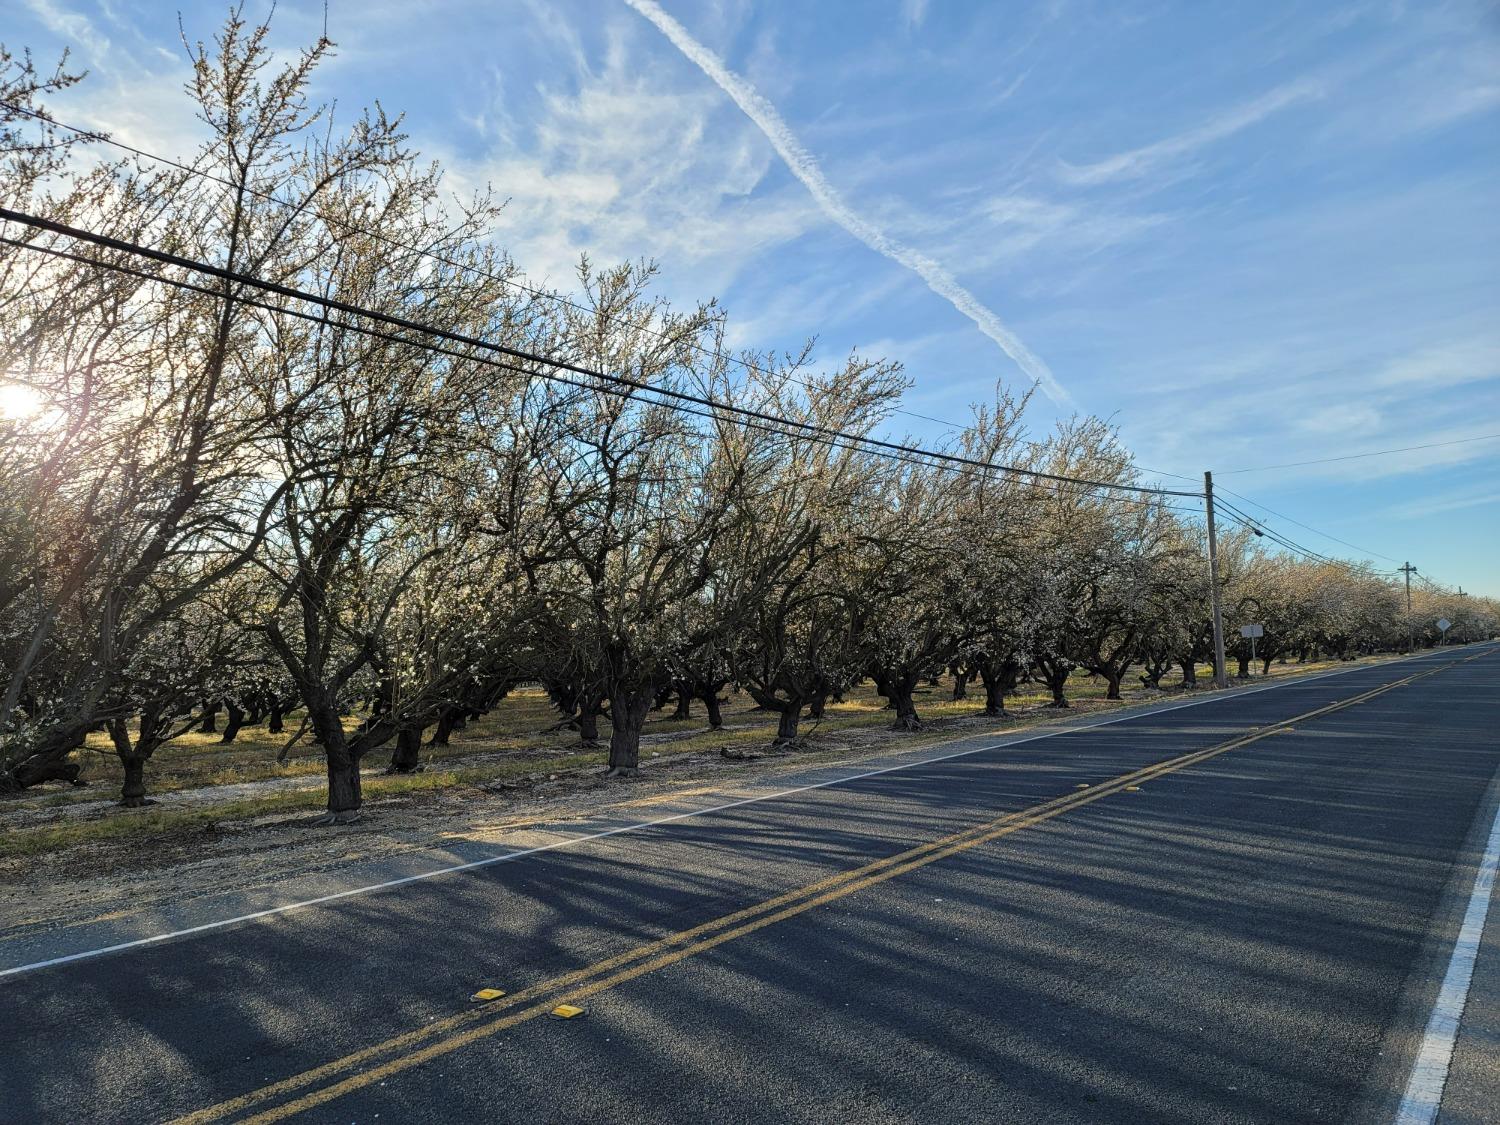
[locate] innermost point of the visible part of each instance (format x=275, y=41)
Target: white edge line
x=1429, y=1074
x=573, y=840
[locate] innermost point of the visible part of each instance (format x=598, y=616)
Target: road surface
x=1241, y=909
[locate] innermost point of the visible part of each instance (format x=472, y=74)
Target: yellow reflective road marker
x=1132, y=788
x=488, y=994
x=1081, y=785
x=566, y=1011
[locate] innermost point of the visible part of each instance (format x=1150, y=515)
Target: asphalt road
x=1022, y=934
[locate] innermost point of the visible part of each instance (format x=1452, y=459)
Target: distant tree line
x=225, y=508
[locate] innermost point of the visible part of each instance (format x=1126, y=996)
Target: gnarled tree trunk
x=133, y=791
x=788, y=723
x=961, y=677
x=344, y=794
x=406, y=757
x=627, y=718
x=999, y=678
x=715, y=713
x=234, y=720
x=898, y=690
x=449, y=720
x=1055, y=676
x=590, y=707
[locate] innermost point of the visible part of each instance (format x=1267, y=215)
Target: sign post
x=1251, y=632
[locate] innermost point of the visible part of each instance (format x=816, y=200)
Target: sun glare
x=19, y=402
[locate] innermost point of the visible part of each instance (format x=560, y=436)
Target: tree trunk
x=1112, y=677
x=276, y=723
x=344, y=795
x=1189, y=673
x=684, y=705
x=406, y=757
x=715, y=714
x=816, y=705
x=38, y=768
x=787, y=723
x=233, y=722
x=1244, y=661
x=627, y=718
x=1057, y=683
x=994, y=692
x=134, y=755
x=961, y=678
x=133, y=792
x=903, y=704
x=449, y=720
x=588, y=722
x=208, y=726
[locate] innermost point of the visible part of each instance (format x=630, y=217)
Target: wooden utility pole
x=1221, y=678
x=1411, y=636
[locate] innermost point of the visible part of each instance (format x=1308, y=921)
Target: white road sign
x=1444, y=624
x=1252, y=630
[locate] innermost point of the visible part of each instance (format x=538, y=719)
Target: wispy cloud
x=1444, y=365
x=71, y=27
x=914, y=12
x=1138, y=162
x=605, y=161
x=801, y=163
x=1427, y=506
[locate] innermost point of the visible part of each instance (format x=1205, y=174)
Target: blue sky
x=1250, y=234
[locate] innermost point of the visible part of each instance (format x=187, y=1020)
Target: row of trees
x=218, y=500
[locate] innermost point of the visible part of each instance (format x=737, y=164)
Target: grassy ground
x=502, y=746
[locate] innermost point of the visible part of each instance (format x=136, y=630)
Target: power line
x=1306, y=527
x=488, y=361
x=1357, y=456
x=1260, y=527
x=93, y=135
x=90, y=134
x=678, y=397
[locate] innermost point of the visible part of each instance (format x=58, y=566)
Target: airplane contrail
x=804, y=166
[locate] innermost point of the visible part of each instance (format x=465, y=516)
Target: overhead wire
x=158, y=158
x=679, y=401
x=354, y=228
x=1306, y=527
x=1260, y=527
x=754, y=419
x=1357, y=456
x=562, y=299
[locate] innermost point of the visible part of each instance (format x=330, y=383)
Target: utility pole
x=1221, y=679
x=1411, y=636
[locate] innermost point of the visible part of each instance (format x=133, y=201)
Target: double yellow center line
x=440, y=1037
